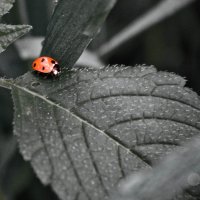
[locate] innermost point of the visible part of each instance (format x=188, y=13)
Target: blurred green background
x=172, y=45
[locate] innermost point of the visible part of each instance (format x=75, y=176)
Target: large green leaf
x=73, y=25
x=89, y=129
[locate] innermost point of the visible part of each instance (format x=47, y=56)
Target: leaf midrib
x=72, y=114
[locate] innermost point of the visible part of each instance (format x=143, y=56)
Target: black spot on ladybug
x=34, y=65
x=53, y=61
x=42, y=60
x=43, y=68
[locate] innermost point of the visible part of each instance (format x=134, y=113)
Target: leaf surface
x=73, y=25
x=89, y=129
x=10, y=33
x=178, y=171
x=5, y=6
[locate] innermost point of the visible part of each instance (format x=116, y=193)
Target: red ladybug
x=46, y=65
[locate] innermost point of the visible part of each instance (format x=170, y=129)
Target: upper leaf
x=87, y=130
x=5, y=6
x=73, y=25
x=9, y=33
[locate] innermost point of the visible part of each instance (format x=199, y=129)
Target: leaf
x=89, y=129
x=5, y=6
x=178, y=171
x=9, y=33
x=161, y=11
x=73, y=25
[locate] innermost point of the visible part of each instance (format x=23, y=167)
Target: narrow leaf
x=164, y=9
x=9, y=33
x=89, y=129
x=73, y=25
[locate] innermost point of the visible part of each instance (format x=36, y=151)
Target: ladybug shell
x=44, y=64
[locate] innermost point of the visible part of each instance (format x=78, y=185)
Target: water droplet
x=35, y=84
x=193, y=179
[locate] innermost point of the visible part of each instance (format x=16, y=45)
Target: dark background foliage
x=172, y=45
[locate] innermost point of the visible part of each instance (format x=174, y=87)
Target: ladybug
x=46, y=65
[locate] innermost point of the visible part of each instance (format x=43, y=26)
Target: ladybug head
x=56, y=70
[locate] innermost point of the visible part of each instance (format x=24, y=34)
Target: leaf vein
x=155, y=118
x=93, y=160
x=42, y=139
x=69, y=112
x=69, y=156
x=138, y=95
x=120, y=163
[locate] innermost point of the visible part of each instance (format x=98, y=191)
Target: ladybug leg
x=52, y=76
x=36, y=73
x=45, y=77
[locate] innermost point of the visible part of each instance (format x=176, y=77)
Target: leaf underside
x=88, y=129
